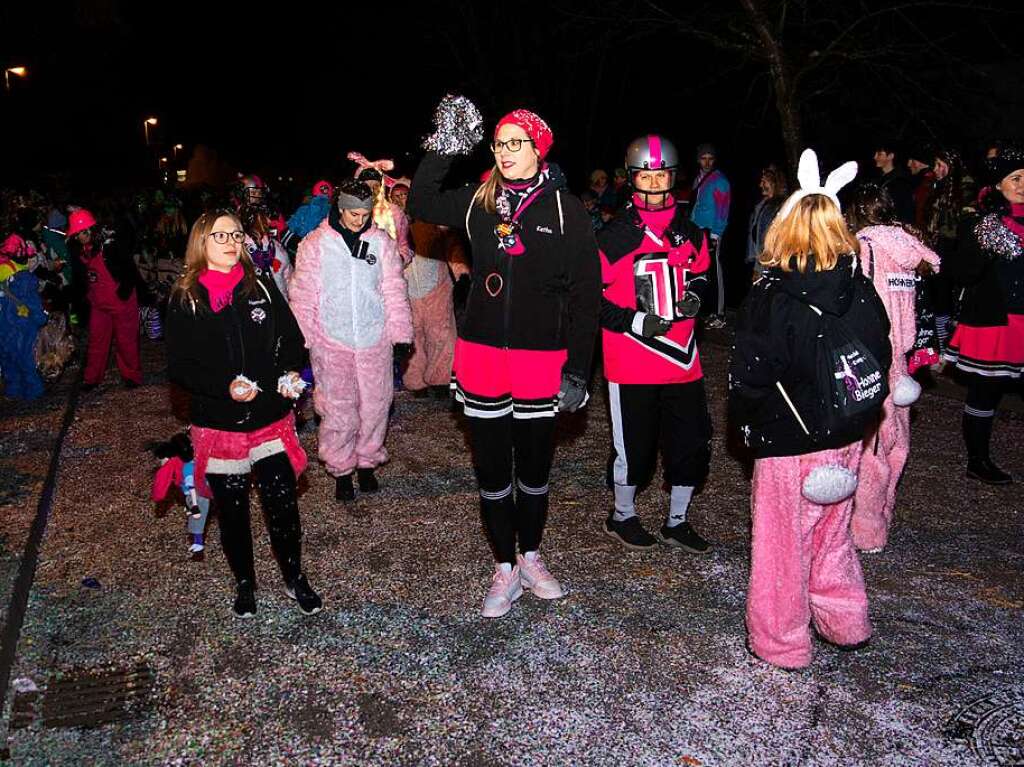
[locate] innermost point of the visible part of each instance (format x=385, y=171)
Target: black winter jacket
x=989, y=263
x=256, y=336
x=776, y=342
x=551, y=294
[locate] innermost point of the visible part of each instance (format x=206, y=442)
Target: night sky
x=289, y=90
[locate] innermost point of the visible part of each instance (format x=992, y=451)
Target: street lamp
x=177, y=148
x=17, y=71
x=145, y=127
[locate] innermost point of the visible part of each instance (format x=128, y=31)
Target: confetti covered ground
x=643, y=663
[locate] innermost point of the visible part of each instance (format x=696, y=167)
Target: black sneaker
x=309, y=601
x=684, y=537
x=343, y=489
x=988, y=472
x=441, y=392
x=630, y=533
x=367, y=482
x=420, y=393
x=245, y=600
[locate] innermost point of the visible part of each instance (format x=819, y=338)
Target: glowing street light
x=146, y=125
x=177, y=148
x=17, y=71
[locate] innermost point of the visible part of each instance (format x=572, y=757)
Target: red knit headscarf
x=535, y=128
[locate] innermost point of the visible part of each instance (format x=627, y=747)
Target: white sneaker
x=506, y=588
x=536, y=578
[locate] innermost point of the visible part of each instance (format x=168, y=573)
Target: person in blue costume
x=21, y=316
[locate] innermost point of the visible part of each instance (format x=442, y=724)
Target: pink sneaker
x=536, y=578
x=506, y=588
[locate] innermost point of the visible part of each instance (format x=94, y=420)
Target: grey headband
x=350, y=202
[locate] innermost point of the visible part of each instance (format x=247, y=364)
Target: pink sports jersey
x=653, y=279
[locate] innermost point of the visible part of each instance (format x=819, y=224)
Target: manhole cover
x=992, y=727
x=91, y=698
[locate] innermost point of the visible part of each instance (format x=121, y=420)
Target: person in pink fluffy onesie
x=893, y=258
x=349, y=297
x=805, y=421
x=431, y=296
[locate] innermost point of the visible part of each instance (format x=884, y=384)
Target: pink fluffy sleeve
x=304, y=288
x=909, y=251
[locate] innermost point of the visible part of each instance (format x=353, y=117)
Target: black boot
x=367, y=482
x=309, y=601
x=343, y=489
x=985, y=470
x=245, y=599
x=977, y=435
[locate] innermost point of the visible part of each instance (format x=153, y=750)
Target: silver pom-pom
x=458, y=127
x=996, y=237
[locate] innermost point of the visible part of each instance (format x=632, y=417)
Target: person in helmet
x=111, y=280
x=349, y=297
x=653, y=264
x=264, y=248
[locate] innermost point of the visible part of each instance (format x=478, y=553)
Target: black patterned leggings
x=275, y=482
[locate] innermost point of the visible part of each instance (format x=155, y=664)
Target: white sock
x=678, y=505
x=506, y=568
x=625, y=502
x=529, y=556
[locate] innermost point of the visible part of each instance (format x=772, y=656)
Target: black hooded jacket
x=776, y=342
x=550, y=295
x=255, y=336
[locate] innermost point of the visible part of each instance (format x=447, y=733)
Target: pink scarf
x=221, y=285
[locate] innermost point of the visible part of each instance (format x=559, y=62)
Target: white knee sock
x=625, y=502
x=678, y=505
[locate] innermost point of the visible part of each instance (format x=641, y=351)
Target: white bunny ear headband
x=810, y=181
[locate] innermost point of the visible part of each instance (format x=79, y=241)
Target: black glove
x=572, y=394
x=401, y=351
x=654, y=326
x=688, y=305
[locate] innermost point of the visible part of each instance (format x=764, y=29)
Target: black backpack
x=850, y=384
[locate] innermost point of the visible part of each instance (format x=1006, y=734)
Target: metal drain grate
x=91, y=698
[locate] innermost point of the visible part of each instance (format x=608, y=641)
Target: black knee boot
x=977, y=436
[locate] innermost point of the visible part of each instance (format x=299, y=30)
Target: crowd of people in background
x=307, y=319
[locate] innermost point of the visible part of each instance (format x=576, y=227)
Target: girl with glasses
x=234, y=345
x=527, y=336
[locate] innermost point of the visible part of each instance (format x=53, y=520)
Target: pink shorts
x=234, y=452
x=492, y=382
x=990, y=351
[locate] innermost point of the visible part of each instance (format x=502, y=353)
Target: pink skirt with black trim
x=234, y=452
x=990, y=351
x=492, y=382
